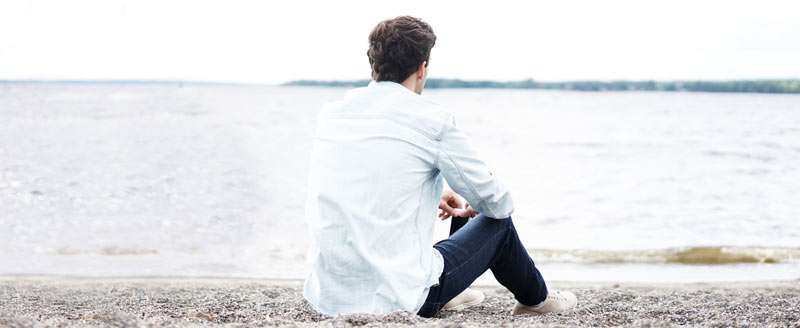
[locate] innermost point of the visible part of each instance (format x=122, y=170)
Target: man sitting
x=378, y=162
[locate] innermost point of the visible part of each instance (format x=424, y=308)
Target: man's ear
x=421, y=70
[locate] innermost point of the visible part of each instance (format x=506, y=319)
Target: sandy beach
x=190, y=302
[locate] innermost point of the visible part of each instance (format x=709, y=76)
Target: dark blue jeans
x=484, y=244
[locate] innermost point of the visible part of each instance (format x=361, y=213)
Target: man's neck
x=411, y=84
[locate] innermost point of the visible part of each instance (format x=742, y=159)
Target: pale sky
x=276, y=41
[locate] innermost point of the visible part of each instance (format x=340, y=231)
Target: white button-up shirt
x=375, y=180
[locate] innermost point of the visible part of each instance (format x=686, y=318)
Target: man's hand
x=452, y=204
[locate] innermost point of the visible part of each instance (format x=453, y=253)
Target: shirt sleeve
x=469, y=176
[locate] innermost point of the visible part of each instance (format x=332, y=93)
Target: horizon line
x=227, y=82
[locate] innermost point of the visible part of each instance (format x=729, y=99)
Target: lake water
x=116, y=179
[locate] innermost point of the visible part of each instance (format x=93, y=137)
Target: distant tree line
x=757, y=86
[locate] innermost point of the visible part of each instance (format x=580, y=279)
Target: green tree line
x=756, y=86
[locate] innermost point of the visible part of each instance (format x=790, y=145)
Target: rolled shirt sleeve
x=469, y=176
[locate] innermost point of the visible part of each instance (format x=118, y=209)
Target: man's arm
x=469, y=176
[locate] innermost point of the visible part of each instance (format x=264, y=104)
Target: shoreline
x=49, y=301
x=291, y=282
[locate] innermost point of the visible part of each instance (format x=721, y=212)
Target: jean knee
x=506, y=225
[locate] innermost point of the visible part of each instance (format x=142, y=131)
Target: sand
x=183, y=302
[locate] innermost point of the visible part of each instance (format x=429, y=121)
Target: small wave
x=679, y=255
x=577, y=144
x=742, y=155
x=108, y=251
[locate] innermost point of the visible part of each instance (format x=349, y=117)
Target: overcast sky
x=275, y=41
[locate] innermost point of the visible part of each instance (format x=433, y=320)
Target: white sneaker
x=556, y=301
x=469, y=297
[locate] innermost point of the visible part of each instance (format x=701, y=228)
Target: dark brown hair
x=397, y=46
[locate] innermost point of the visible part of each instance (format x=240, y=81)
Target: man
x=376, y=179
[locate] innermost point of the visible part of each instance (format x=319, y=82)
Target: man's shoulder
x=415, y=111
x=425, y=114
x=426, y=108
x=433, y=109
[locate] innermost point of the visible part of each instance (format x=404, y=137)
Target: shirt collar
x=388, y=84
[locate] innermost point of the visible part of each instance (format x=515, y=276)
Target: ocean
x=172, y=179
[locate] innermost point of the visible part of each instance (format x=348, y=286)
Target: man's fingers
x=445, y=207
x=454, y=207
x=456, y=202
x=464, y=212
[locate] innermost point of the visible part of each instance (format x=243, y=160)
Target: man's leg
x=469, y=297
x=485, y=244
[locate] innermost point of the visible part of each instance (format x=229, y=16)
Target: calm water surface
x=207, y=180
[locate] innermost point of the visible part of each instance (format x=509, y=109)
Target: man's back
x=373, y=194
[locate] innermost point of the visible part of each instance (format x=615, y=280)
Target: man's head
x=399, y=51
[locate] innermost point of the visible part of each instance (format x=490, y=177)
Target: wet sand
x=182, y=302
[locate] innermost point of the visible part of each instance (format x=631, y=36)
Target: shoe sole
x=521, y=311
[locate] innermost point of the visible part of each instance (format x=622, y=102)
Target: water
x=119, y=179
